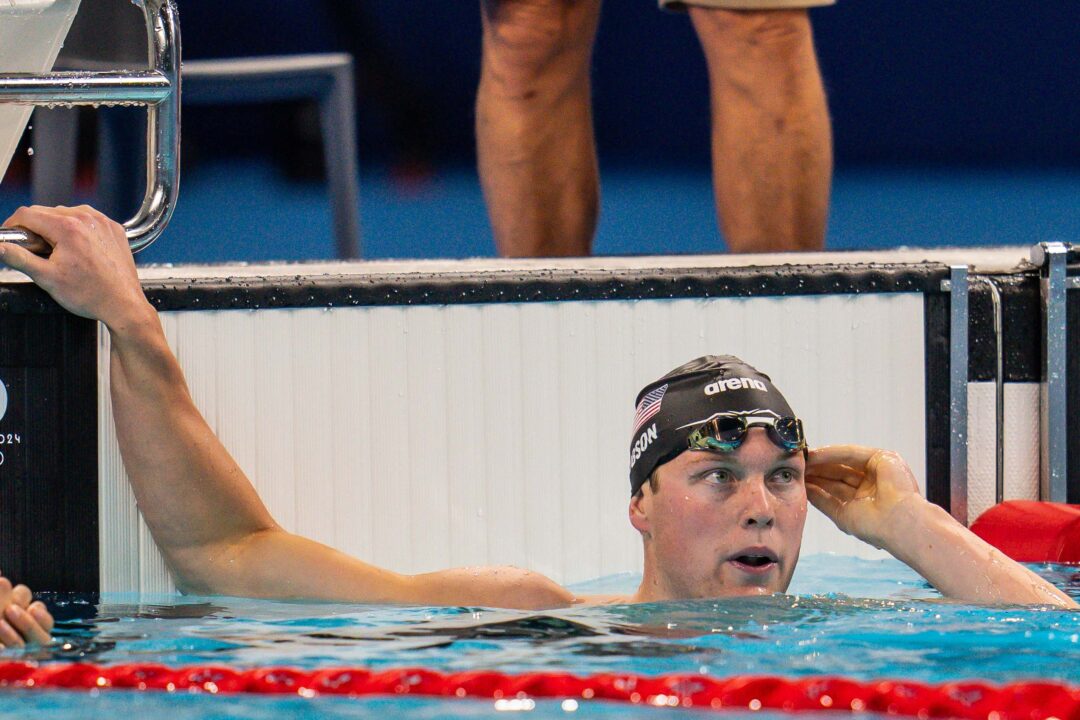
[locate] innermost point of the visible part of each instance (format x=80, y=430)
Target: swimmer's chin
x=751, y=591
x=731, y=591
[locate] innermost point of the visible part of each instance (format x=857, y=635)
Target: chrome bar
x=958, y=392
x=85, y=88
x=158, y=88
x=999, y=389
x=1053, y=475
x=24, y=238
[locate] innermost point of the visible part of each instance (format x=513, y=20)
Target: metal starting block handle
x=158, y=89
x=24, y=238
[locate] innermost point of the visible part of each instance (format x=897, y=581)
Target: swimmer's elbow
x=220, y=568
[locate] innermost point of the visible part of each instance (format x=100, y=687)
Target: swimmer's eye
x=785, y=476
x=719, y=476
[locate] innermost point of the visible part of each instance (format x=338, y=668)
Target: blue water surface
x=856, y=618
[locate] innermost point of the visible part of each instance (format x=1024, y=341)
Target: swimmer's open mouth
x=752, y=559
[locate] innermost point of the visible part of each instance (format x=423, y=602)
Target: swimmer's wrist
x=138, y=321
x=915, y=528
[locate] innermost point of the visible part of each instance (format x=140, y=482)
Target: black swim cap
x=669, y=409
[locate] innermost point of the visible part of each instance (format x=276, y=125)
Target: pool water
x=860, y=619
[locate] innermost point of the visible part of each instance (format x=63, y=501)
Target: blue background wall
x=909, y=81
x=956, y=123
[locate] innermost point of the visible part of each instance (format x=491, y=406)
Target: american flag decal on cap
x=649, y=406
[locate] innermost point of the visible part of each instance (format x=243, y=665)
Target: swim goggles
x=725, y=433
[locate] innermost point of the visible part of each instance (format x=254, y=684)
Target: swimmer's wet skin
x=23, y=620
x=720, y=476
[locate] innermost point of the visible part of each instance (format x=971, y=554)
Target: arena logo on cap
x=742, y=383
x=3, y=399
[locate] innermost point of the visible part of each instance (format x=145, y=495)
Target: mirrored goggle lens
x=790, y=433
x=724, y=434
x=728, y=429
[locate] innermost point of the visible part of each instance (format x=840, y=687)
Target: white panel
x=351, y=428
x=1021, y=444
x=31, y=35
x=429, y=493
x=422, y=437
x=118, y=516
x=393, y=432
x=275, y=474
x=612, y=373
x=312, y=395
x=499, y=355
x=577, y=462
x=465, y=463
x=543, y=488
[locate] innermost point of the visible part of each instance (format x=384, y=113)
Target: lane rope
x=970, y=699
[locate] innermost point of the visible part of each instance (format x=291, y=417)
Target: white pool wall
x=425, y=437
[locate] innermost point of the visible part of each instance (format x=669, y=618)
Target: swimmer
x=719, y=481
x=23, y=620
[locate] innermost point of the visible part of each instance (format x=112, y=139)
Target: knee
x=781, y=35
x=530, y=41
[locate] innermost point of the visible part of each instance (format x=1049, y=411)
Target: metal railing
x=1051, y=258
x=157, y=88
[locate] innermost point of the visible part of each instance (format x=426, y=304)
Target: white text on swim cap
x=642, y=444
x=735, y=384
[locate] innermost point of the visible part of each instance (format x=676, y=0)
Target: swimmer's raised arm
x=872, y=494
x=214, y=531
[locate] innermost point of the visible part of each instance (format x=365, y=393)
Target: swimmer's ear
x=640, y=505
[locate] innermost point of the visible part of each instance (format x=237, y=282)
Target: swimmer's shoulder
x=603, y=600
x=503, y=586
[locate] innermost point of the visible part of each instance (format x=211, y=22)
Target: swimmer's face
x=723, y=523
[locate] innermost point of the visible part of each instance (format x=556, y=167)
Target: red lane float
x=1030, y=531
x=974, y=700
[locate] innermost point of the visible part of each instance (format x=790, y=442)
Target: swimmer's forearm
x=194, y=497
x=958, y=563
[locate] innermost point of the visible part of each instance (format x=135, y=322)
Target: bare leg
x=771, y=139
x=534, y=134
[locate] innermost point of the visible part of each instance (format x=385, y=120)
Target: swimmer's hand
x=23, y=621
x=860, y=488
x=872, y=494
x=90, y=272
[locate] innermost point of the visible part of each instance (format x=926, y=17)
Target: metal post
x=157, y=88
x=338, y=118
x=999, y=390
x=958, y=392
x=1053, y=417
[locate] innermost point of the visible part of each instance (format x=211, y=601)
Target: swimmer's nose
x=758, y=511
